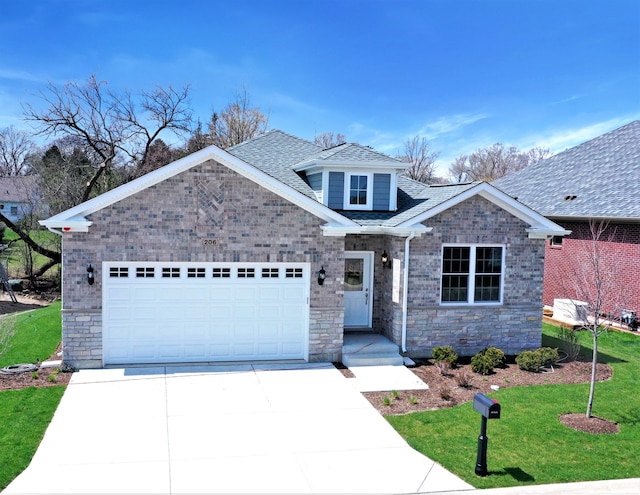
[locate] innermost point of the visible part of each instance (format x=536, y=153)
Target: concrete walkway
x=234, y=429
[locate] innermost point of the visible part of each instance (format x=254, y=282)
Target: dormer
x=353, y=177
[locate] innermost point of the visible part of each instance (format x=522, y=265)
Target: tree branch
x=52, y=255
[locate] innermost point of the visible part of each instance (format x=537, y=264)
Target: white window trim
x=472, y=272
x=347, y=190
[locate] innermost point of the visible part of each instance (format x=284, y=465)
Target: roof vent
x=570, y=197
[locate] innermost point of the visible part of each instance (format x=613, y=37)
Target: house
x=18, y=195
x=274, y=248
x=598, y=180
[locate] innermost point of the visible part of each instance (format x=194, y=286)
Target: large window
x=472, y=274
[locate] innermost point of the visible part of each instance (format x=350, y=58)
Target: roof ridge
x=271, y=132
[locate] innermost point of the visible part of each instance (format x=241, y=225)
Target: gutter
x=405, y=291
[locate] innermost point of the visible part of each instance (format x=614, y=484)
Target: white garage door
x=201, y=312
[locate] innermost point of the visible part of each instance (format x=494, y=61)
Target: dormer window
x=358, y=194
x=368, y=182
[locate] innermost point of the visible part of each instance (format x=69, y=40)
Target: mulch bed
x=41, y=377
x=460, y=384
x=589, y=425
x=25, y=302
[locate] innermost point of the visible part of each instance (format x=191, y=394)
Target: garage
x=186, y=312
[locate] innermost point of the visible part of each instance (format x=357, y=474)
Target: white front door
x=358, y=288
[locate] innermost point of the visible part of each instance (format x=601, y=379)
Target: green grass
x=25, y=414
x=37, y=336
x=24, y=417
x=13, y=258
x=528, y=445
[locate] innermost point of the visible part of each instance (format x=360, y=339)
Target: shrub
x=481, y=363
x=548, y=355
x=445, y=393
x=529, y=361
x=487, y=359
x=444, y=353
x=463, y=379
x=443, y=367
x=496, y=356
x=571, y=344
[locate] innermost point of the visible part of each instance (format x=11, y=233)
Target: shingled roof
x=276, y=161
x=596, y=179
x=277, y=153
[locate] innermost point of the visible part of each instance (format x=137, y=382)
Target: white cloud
x=448, y=124
x=19, y=75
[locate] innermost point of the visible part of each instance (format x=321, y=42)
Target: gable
x=75, y=219
x=538, y=226
x=208, y=201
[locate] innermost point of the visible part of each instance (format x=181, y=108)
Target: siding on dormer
x=315, y=181
x=381, y=191
x=336, y=190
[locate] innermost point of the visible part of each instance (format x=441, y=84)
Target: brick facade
x=621, y=248
x=170, y=220
x=512, y=326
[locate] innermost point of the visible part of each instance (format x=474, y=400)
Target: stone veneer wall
x=170, y=221
x=515, y=325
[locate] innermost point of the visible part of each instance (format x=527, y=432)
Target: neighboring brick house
x=596, y=181
x=272, y=249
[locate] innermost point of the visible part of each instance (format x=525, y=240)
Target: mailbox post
x=489, y=409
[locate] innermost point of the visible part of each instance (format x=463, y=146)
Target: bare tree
x=237, y=122
x=593, y=285
x=62, y=171
x=417, y=151
x=493, y=162
x=458, y=169
x=111, y=129
x=116, y=127
x=198, y=140
x=329, y=139
x=15, y=147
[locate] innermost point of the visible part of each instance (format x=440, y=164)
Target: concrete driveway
x=268, y=429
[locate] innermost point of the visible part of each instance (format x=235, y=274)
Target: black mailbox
x=489, y=409
x=486, y=406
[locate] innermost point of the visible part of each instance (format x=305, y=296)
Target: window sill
x=467, y=304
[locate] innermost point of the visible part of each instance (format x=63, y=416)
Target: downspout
x=405, y=290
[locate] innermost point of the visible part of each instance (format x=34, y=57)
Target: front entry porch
x=377, y=365
x=369, y=349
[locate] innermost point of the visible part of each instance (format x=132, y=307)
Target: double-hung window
x=358, y=195
x=472, y=274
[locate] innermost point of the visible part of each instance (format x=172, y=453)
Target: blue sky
x=463, y=73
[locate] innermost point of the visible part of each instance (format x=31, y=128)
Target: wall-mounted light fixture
x=384, y=259
x=90, y=278
x=321, y=276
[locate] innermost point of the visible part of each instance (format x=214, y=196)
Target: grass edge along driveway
x=25, y=414
x=529, y=445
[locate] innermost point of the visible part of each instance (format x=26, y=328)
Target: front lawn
x=529, y=445
x=38, y=335
x=25, y=414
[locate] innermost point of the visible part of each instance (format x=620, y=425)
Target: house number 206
x=209, y=242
